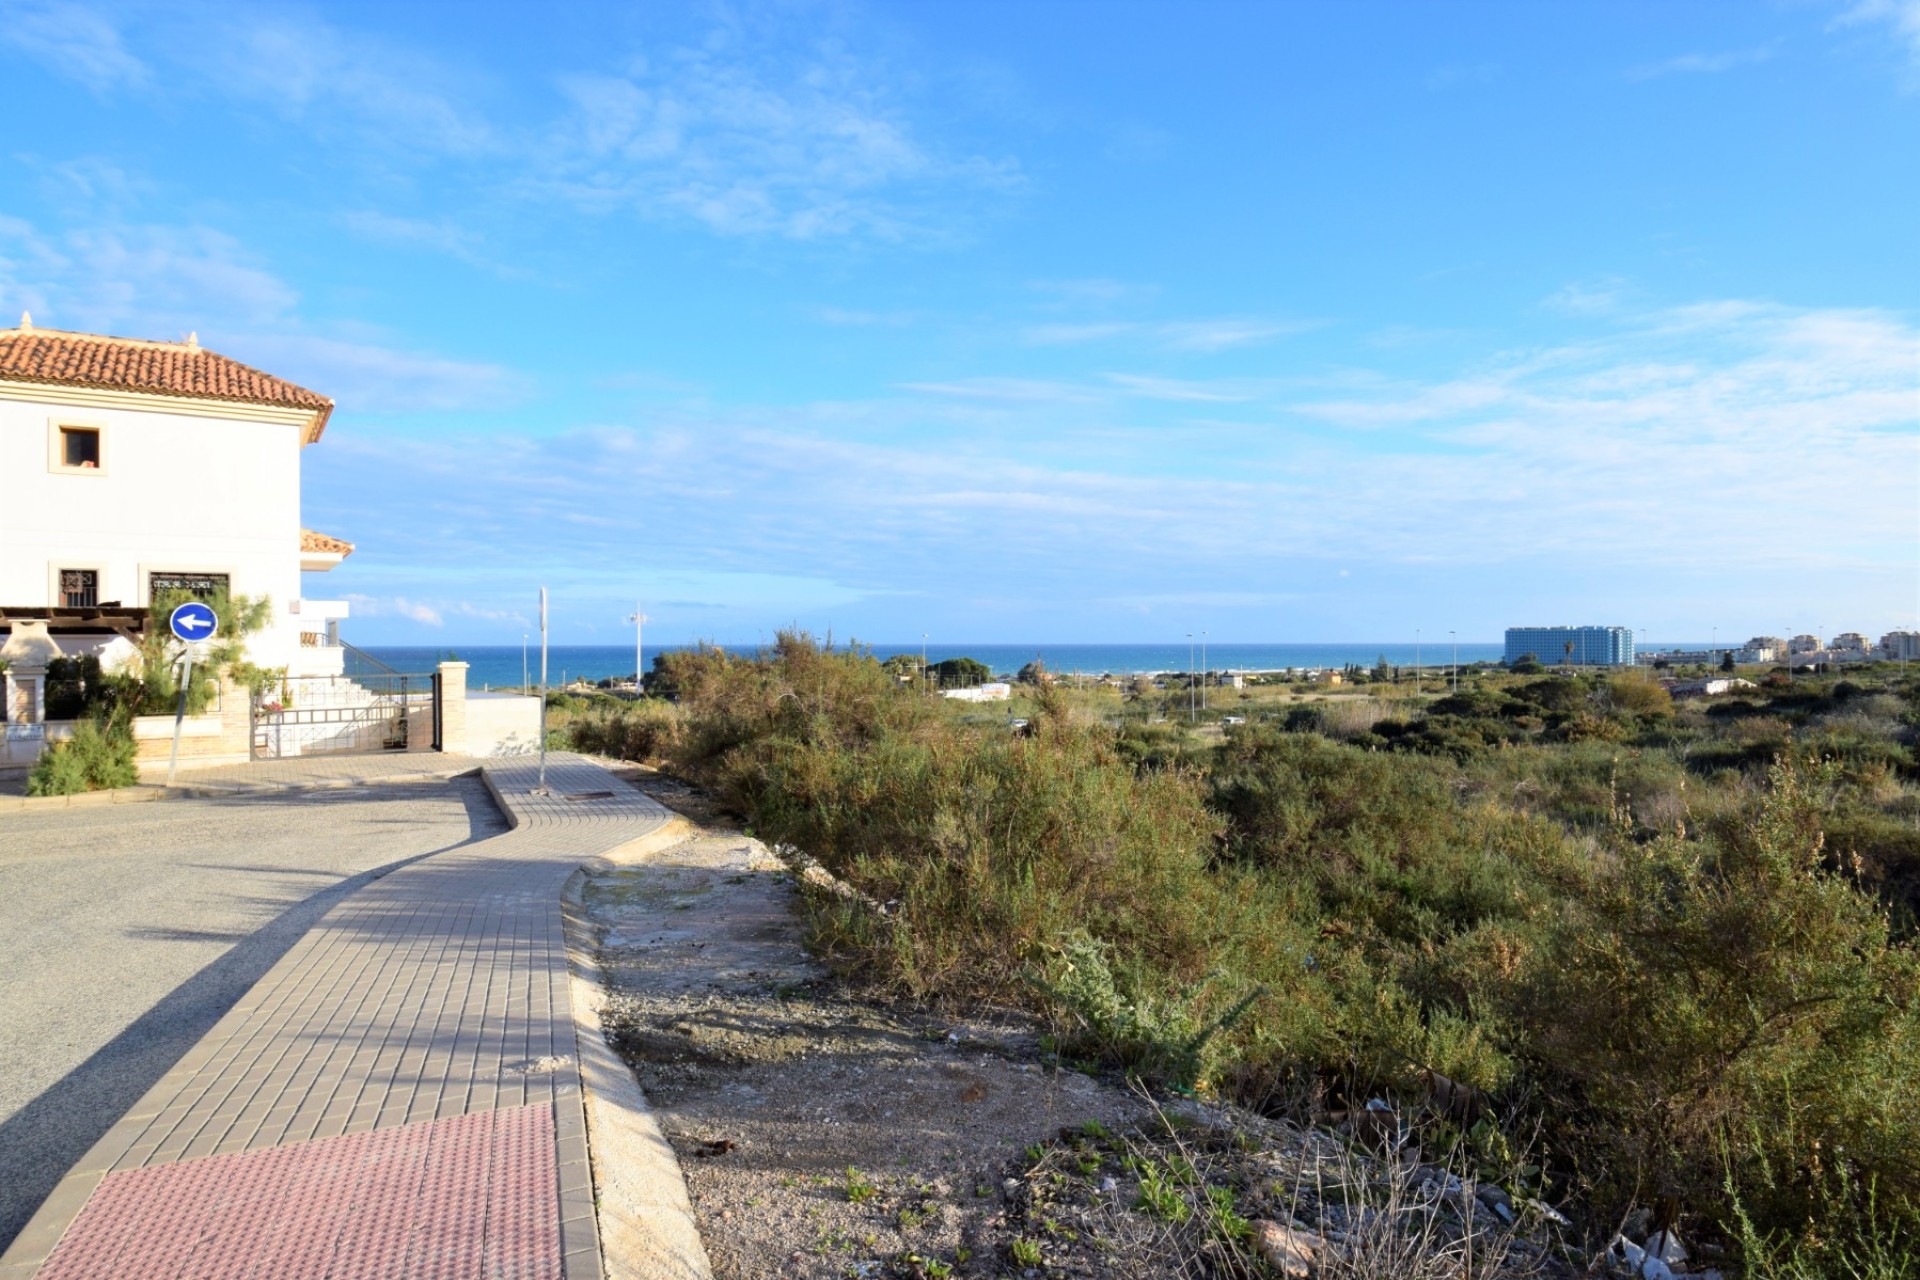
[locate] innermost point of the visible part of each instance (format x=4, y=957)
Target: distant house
x=136, y=468
x=1709, y=688
x=993, y=692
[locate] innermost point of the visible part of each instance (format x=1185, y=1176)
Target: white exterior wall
x=501, y=725
x=175, y=491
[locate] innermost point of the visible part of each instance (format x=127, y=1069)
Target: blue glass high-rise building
x=1592, y=646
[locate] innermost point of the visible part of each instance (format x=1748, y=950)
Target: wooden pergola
x=106, y=619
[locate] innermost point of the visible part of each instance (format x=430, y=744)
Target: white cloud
x=805, y=142
x=395, y=607
x=163, y=278
x=1200, y=336
x=1462, y=75
x=162, y=282
x=866, y=319
x=1902, y=16
x=1176, y=389
x=303, y=68
x=368, y=378
x=1051, y=335
x=75, y=41
x=1023, y=390
x=1702, y=63
x=1788, y=434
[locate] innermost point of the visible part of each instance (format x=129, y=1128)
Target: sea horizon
x=489, y=665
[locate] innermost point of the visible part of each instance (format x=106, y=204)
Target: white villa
x=136, y=467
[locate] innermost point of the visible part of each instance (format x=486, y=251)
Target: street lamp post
x=1191, y=715
x=541, y=788
x=1206, y=671
x=639, y=621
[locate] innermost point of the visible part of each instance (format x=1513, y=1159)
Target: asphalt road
x=127, y=931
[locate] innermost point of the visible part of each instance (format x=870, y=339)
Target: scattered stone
x=1293, y=1252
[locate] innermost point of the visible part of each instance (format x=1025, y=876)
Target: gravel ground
x=821, y=1135
x=127, y=931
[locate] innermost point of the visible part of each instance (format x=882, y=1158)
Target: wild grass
x=1635, y=930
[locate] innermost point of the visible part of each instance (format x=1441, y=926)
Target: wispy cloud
x=1675, y=440
x=162, y=278
x=1179, y=335
x=75, y=41
x=1463, y=75
x=1020, y=390
x=302, y=67
x=1702, y=63
x=1176, y=389
x=1901, y=16
x=1089, y=291
x=749, y=131
x=1052, y=335
x=396, y=607
x=369, y=378
x=855, y=319
x=157, y=281
x=805, y=142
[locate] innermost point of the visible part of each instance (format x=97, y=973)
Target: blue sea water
x=498, y=666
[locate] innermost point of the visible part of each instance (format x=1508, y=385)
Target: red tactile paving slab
x=472, y=1196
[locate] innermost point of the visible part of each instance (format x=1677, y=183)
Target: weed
x=859, y=1189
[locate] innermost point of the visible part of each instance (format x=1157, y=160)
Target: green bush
x=98, y=757
x=1731, y=987
x=645, y=730
x=1663, y=964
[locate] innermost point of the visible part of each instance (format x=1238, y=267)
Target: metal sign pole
x=542, y=787
x=180, y=714
x=189, y=622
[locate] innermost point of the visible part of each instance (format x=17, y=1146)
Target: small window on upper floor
x=80, y=448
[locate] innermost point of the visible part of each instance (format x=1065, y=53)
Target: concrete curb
x=647, y=1225
x=147, y=792
x=137, y=794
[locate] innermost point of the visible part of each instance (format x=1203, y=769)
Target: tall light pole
x=541, y=789
x=639, y=621
x=1206, y=671
x=1191, y=716
x=1453, y=669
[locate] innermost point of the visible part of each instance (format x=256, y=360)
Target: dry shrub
x=1348, y=718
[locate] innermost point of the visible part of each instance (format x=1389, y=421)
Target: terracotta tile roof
x=29, y=354
x=320, y=542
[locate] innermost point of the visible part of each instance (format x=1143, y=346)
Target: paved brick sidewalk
x=399, y=1096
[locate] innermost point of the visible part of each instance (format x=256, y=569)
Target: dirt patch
x=823, y=1135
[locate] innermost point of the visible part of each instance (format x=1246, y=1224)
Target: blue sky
x=1005, y=321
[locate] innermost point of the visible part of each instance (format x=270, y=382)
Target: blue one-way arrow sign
x=193, y=621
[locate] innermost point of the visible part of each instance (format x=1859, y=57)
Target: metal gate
x=368, y=707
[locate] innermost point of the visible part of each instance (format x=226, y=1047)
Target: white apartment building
x=136, y=467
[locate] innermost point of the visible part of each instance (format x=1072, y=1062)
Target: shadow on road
x=45, y=1138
